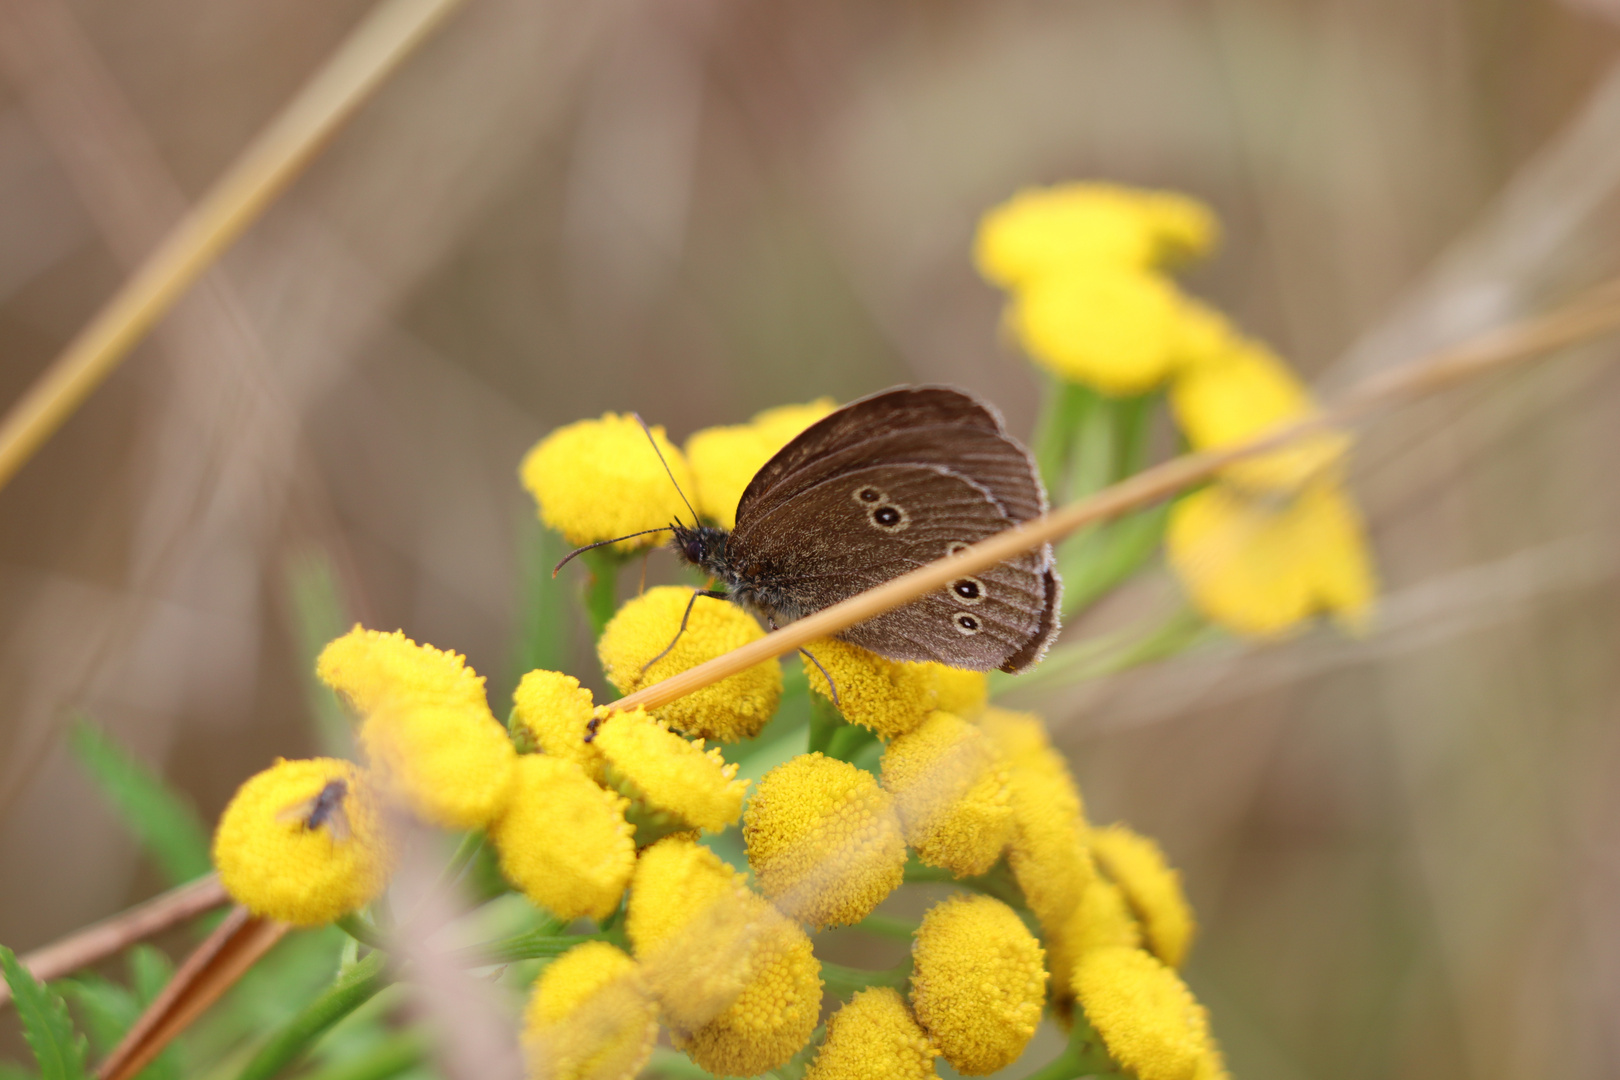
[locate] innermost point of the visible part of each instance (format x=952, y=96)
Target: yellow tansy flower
x=1102, y=918
x=874, y=1035
x=589, y=1017
x=1241, y=391
x=690, y=922
x=563, y=840
x=600, y=479
x=725, y=459
x=303, y=842
x=733, y=708
x=556, y=712
x=891, y=697
x=663, y=771
x=1260, y=564
x=1044, y=232
x=775, y=1015
x=1147, y=1018
x=824, y=840
x=1152, y=887
x=1047, y=853
x=369, y=669
x=1120, y=331
x=950, y=787
x=738, y=983
x=453, y=766
x=961, y=692
x=977, y=982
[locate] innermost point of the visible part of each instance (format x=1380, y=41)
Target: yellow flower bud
x=824, y=840
x=600, y=479
x=452, y=766
x=1241, y=391
x=369, y=669
x=1152, y=888
x=1042, y=232
x=977, y=983
x=556, y=712
x=1260, y=565
x=1147, y=1018
x=725, y=459
x=1120, y=331
x=733, y=708
x=890, y=697
x=664, y=772
x=563, y=841
x=1047, y=853
x=950, y=788
x=589, y=1017
x=304, y=842
x=737, y=983
x=874, y=1035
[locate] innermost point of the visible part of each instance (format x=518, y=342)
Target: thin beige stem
x=1590, y=315
x=112, y=936
x=388, y=34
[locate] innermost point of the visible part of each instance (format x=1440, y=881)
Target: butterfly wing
x=854, y=503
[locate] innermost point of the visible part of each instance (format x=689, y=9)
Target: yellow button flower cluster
x=669, y=775
x=304, y=842
x=977, y=982
x=874, y=1035
x=824, y=840
x=731, y=709
x=554, y=712
x=598, y=480
x=950, y=787
x=1084, y=264
x=725, y=459
x=589, y=1017
x=889, y=697
x=1149, y=1021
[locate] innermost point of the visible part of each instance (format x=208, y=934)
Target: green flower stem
x=847, y=741
x=674, y=1065
x=825, y=722
x=529, y=945
x=996, y=883
x=1133, y=427
x=845, y=981
x=1063, y=409
x=888, y=926
x=394, y=1055
x=1102, y=561
x=350, y=990
x=1084, y=1056
x=1093, y=459
x=602, y=591
x=362, y=931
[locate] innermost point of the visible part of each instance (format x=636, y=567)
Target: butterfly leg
x=830, y=684
x=687, y=614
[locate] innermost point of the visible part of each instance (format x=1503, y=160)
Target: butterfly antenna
x=602, y=543
x=665, y=464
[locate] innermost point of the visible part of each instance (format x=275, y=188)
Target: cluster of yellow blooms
x=1275, y=539
x=600, y=814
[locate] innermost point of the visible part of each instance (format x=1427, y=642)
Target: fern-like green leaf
x=58, y=1049
x=166, y=825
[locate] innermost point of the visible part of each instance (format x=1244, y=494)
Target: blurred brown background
x=1405, y=850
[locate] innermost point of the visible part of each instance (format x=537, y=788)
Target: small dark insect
x=325, y=807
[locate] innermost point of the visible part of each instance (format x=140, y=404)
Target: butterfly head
x=703, y=546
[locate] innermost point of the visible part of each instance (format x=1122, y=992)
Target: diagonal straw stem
x=1586, y=317
x=387, y=35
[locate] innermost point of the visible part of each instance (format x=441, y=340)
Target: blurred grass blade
x=545, y=619
x=397, y=1054
x=366, y=58
x=58, y=1049
x=106, y=1010
x=167, y=827
x=321, y=615
x=149, y=971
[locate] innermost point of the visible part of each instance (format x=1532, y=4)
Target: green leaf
x=165, y=824
x=350, y=990
x=150, y=971
x=58, y=1049
x=546, y=621
x=106, y=1010
x=322, y=616
x=10, y=1070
